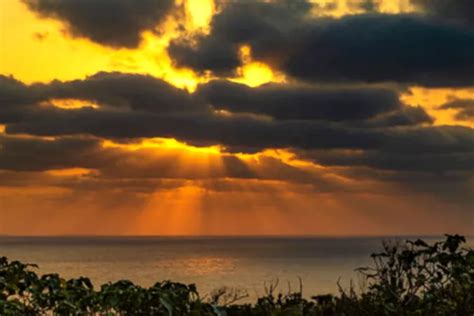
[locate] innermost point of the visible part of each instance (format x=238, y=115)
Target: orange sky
x=169, y=187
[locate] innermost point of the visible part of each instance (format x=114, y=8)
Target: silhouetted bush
x=410, y=279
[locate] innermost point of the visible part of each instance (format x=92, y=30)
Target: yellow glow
x=183, y=161
x=251, y=206
x=167, y=143
x=432, y=99
x=339, y=8
x=70, y=104
x=253, y=116
x=200, y=13
x=254, y=73
x=172, y=212
x=36, y=50
x=396, y=6
x=284, y=155
x=43, y=53
x=31, y=191
x=70, y=172
x=2, y=128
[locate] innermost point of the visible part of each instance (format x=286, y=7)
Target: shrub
x=410, y=279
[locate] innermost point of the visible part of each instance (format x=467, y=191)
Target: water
x=209, y=262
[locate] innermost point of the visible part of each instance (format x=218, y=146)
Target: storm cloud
x=458, y=11
x=299, y=102
x=403, y=48
x=115, y=23
x=301, y=117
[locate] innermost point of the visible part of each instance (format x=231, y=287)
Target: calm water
x=210, y=262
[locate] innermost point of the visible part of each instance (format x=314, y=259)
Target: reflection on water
x=208, y=262
x=207, y=265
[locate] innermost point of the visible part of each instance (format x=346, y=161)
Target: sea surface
x=246, y=263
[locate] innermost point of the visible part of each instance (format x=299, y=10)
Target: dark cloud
x=244, y=132
x=137, y=92
x=405, y=115
x=374, y=48
x=455, y=187
x=461, y=11
x=262, y=24
x=297, y=102
x=112, y=22
x=229, y=131
x=362, y=132
x=370, y=119
x=31, y=154
x=14, y=93
x=365, y=5
x=361, y=48
x=428, y=139
x=404, y=161
x=15, y=99
x=114, y=92
x=465, y=108
x=119, y=167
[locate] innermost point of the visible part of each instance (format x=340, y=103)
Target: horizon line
x=232, y=236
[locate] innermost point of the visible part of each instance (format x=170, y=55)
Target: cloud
x=389, y=149
x=406, y=115
x=300, y=102
x=365, y=5
x=460, y=11
x=375, y=48
x=128, y=91
x=368, y=48
x=32, y=154
x=262, y=24
x=116, y=23
x=464, y=106
x=386, y=160
x=107, y=168
x=342, y=126
x=15, y=99
x=134, y=106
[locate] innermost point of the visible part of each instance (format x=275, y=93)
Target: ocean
x=246, y=263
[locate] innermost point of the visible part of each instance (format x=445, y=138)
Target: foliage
x=410, y=279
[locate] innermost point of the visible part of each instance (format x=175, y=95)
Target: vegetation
x=410, y=279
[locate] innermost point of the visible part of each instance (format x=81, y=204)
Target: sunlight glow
x=432, y=99
x=167, y=143
x=43, y=53
x=339, y=8
x=285, y=155
x=172, y=212
x=70, y=172
x=182, y=161
x=70, y=104
x=199, y=13
x=242, y=207
x=255, y=73
x=189, y=188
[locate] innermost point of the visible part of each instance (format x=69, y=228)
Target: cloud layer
x=403, y=48
x=115, y=23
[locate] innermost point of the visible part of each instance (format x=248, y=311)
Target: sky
x=209, y=117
